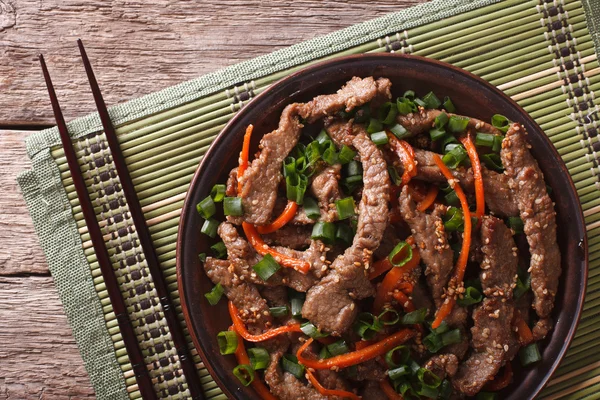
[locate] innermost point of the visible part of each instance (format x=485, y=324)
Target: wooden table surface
x=136, y=47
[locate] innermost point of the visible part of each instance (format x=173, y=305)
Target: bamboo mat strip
x=507, y=43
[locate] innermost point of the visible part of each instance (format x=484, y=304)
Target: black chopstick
x=143, y=233
x=114, y=293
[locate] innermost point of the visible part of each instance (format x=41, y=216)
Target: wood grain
x=38, y=355
x=140, y=46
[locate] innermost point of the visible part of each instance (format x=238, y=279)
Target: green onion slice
x=455, y=156
x=441, y=120
x=405, y=105
x=497, y=143
x=409, y=94
x=311, y=208
x=324, y=231
x=379, y=138
x=279, y=311
x=398, y=356
x=401, y=254
x=437, y=134
x=470, y=296
x=500, y=122
x=458, y=124
x=245, y=373
x=399, y=372
x=322, y=137
x=206, y=208
x=431, y=101
x=202, y=257
x=259, y=358
x=484, y=139
x=374, y=126
x=420, y=102
x=445, y=390
x=415, y=317
x=529, y=354
x=367, y=325
x=452, y=198
x=324, y=353
x=346, y=155
x=389, y=316
x=218, y=192
x=345, y=208
x=399, y=131
x=351, y=183
x=267, y=267
x=338, y=348
x=296, y=303
x=309, y=329
x=228, y=342
x=344, y=234
x=394, y=176
x=233, y=206
x=516, y=224
x=448, y=105
x=523, y=285
x=428, y=378
x=290, y=364
x=493, y=162
x=210, y=227
x=219, y=250
x=354, y=168
x=387, y=113
x=330, y=156
x=451, y=337
x=362, y=114
x=433, y=342
x=454, y=219
x=215, y=294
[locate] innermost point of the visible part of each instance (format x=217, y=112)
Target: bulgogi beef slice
x=356, y=92
x=373, y=391
x=325, y=187
x=430, y=238
x=232, y=183
x=260, y=181
x=539, y=218
x=491, y=337
x=340, y=131
x=443, y=365
x=499, y=266
x=290, y=236
x=276, y=296
x=423, y=119
x=330, y=304
x=541, y=328
x=370, y=370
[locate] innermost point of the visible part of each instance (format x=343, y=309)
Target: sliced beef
x=537, y=212
x=340, y=131
x=354, y=93
x=325, y=187
x=443, y=365
x=491, y=335
x=330, y=304
x=260, y=181
x=275, y=296
x=373, y=391
x=498, y=196
x=232, y=183
x=370, y=370
x=430, y=237
x=389, y=240
x=421, y=298
x=499, y=266
x=541, y=328
x=290, y=236
x=422, y=121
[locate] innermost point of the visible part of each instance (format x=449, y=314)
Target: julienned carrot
x=406, y=154
x=242, y=358
x=389, y=390
x=394, y=278
x=461, y=264
x=429, y=198
x=286, y=216
x=523, y=330
x=357, y=356
x=329, y=392
x=244, y=155
x=240, y=328
x=477, y=176
x=262, y=248
x=379, y=267
x=500, y=382
x=404, y=301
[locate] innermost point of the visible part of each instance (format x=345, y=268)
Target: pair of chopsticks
x=134, y=352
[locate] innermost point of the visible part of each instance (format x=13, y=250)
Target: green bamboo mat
x=542, y=53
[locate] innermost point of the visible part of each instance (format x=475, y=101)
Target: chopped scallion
x=387, y=113
x=441, y=120
x=420, y=102
x=259, y=358
x=267, y=267
x=245, y=373
x=354, y=168
x=516, y=224
x=330, y=156
x=523, y=284
x=324, y=231
x=296, y=303
x=322, y=137
x=398, y=356
x=218, y=192
x=529, y=354
x=437, y=134
x=453, y=219
x=346, y=155
x=202, y=257
x=497, y=143
x=448, y=105
x=451, y=337
x=428, y=378
x=484, y=139
x=351, y=183
x=219, y=250
x=433, y=342
x=379, y=138
x=206, y=208
x=345, y=208
x=215, y=294
x=445, y=390
x=458, y=124
x=233, y=206
x=401, y=254
x=344, y=234
x=210, y=227
x=431, y=101
x=228, y=342
x=452, y=199
x=455, y=157
x=385, y=318
x=470, y=296
x=500, y=122
x=405, y=105
x=290, y=364
x=415, y=317
x=374, y=126
x=399, y=131
x=311, y=208
x=367, y=325
x=493, y=162
x=309, y=329
x=409, y=94
x=338, y=348
x=398, y=372
x=279, y=311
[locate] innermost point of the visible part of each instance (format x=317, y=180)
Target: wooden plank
x=20, y=251
x=138, y=47
x=38, y=355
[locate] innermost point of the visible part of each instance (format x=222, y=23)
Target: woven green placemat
x=540, y=52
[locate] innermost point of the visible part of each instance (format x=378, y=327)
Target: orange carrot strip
x=500, y=382
x=406, y=154
x=329, y=392
x=461, y=264
x=429, y=198
x=357, y=356
x=286, y=216
x=379, y=267
x=523, y=330
x=476, y=166
x=241, y=328
x=394, y=278
x=242, y=358
x=389, y=390
x=404, y=301
x=361, y=344
x=244, y=155
x=261, y=248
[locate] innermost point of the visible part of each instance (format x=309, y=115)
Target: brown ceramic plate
x=473, y=97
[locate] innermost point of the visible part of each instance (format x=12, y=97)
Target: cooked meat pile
x=383, y=248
